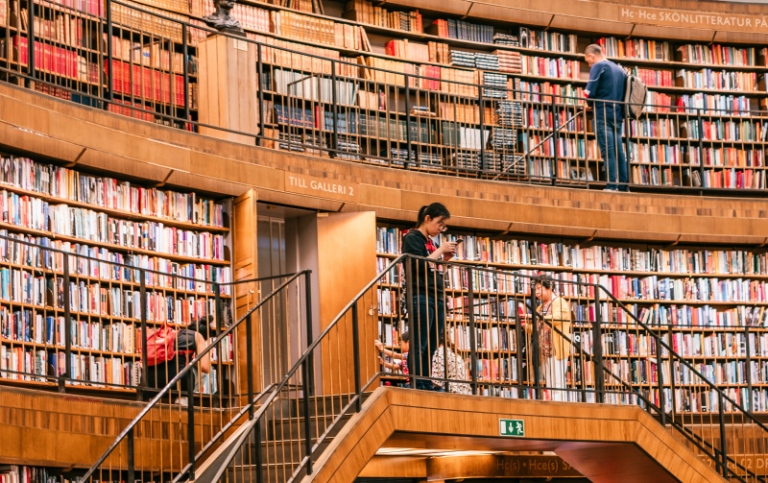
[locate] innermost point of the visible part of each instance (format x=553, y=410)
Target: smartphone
x=459, y=240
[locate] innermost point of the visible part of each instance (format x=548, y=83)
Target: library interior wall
x=45, y=127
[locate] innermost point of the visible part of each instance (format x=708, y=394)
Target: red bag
x=161, y=345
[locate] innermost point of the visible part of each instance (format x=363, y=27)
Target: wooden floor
x=602, y=442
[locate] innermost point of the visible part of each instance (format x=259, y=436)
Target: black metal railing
x=77, y=316
x=141, y=62
x=488, y=332
x=170, y=437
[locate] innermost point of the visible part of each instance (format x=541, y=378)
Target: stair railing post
x=258, y=456
x=472, y=329
x=249, y=362
x=536, y=350
x=67, y=326
x=356, y=357
x=143, y=320
x=131, y=457
x=660, y=381
x=723, y=450
x=310, y=334
x=307, y=425
x=191, y=424
x=597, y=344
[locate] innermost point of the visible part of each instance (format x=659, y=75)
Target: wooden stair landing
x=605, y=443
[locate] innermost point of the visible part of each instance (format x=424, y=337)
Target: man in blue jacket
x=607, y=82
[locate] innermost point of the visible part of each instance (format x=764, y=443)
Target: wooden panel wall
x=41, y=124
x=65, y=430
x=228, y=88
x=346, y=251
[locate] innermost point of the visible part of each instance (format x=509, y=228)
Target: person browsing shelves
x=426, y=290
x=607, y=82
x=554, y=337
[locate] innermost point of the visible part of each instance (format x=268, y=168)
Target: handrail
x=185, y=371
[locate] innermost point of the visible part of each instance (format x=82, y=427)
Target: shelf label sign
x=321, y=187
x=694, y=19
x=512, y=427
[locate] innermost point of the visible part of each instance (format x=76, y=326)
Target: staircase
x=278, y=436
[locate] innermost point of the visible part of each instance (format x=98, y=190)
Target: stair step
x=294, y=428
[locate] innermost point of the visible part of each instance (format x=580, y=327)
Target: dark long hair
x=433, y=210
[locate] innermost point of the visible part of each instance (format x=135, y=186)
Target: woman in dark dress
x=427, y=288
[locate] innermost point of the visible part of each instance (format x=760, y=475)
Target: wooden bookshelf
x=734, y=331
x=104, y=305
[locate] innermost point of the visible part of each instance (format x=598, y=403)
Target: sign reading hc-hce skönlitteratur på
x=321, y=187
x=692, y=19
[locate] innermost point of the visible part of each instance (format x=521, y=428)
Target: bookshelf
x=86, y=260
x=710, y=304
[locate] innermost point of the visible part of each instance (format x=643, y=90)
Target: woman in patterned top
x=453, y=370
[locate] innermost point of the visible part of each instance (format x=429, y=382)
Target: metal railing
x=178, y=428
x=142, y=62
x=485, y=332
x=78, y=316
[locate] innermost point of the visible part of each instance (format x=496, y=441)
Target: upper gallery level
x=462, y=89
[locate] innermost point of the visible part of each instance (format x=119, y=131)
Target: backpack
x=635, y=92
x=161, y=345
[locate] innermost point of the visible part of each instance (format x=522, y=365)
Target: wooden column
x=245, y=296
x=228, y=88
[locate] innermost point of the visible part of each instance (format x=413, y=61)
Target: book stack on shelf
x=365, y=12
x=710, y=304
x=177, y=237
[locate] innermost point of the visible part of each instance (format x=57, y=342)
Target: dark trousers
x=428, y=326
x=608, y=126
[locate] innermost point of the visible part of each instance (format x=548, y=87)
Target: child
x=399, y=359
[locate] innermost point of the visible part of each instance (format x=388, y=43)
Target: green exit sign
x=512, y=427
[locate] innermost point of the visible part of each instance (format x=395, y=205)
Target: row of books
x=55, y=60
x=104, y=265
x=63, y=27
x=365, y=12
x=658, y=78
x=461, y=30
x=565, y=94
x=665, y=128
x=716, y=54
x=30, y=474
x=146, y=83
x=676, y=289
x=155, y=55
x=597, y=257
x=149, y=20
x=640, y=49
x=541, y=117
x=90, y=225
x=319, y=30
x=22, y=287
x=724, y=130
x=24, y=364
x=716, y=80
x=549, y=67
x=561, y=147
x=106, y=192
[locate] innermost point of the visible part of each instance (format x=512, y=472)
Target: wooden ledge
x=46, y=127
